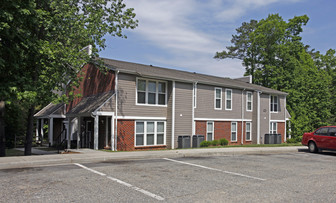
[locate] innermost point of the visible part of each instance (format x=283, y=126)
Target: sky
x=186, y=34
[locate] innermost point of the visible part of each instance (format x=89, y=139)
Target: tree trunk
x=2, y=130
x=29, y=133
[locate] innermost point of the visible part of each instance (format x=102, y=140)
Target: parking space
x=295, y=177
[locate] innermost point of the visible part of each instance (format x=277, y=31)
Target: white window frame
x=226, y=99
x=218, y=88
x=210, y=130
x=234, y=131
x=156, y=93
x=247, y=101
x=250, y=123
x=145, y=133
x=272, y=130
x=272, y=97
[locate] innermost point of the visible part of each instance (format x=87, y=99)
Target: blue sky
x=186, y=34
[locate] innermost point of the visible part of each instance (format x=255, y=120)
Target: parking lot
x=291, y=177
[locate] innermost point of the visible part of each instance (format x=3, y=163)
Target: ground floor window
x=210, y=131
x=273, y=128
x=234, y=131
x=149, y=133
x=248, y=131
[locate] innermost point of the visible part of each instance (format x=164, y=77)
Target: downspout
x=285, y=110
x=173, y=119
x=116, y=110
x=193, y=108
x=242, y=125
x=258, y=117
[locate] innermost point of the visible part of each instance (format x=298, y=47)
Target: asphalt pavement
x=94, y=156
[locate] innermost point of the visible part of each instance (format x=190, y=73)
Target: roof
x=90, y=104
x=183, y=76
x=50, y=109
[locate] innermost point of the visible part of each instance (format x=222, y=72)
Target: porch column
x=41, y=128
x=37, y=129
x=78, y=130
x=96, y=126
x=112, y=133
x=106, y=131
x=51, y=131
x=68, y=133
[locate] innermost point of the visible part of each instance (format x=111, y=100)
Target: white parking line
x=123, y=183
x=214, y=169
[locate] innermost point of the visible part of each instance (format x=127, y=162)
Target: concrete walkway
x=88, y=155
x=37, y=151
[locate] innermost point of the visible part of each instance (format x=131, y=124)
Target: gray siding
x=280, y=115
x=255, y=119
x=264, y=116
x=127, y=103
x=169, y=116
x=183, y=109
x=206, y=103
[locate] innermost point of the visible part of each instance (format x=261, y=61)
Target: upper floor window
x=228, y=99
x=249, y=97
x=274, y=103
x=218, y=98
x=151, y=92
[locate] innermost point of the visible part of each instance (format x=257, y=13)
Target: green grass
x=14, y=152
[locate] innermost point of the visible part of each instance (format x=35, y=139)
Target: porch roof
x=51, y=110
x=90, y=104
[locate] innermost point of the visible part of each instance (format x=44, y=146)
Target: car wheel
x=312, y=147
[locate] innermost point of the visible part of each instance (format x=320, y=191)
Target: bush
x=291, y=140
x=214, y=142
x=205, y=143
x=223, y=142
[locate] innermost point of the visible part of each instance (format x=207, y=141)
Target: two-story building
x=138, y=107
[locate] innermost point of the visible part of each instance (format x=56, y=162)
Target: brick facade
x=281, y=130
x=222, y=129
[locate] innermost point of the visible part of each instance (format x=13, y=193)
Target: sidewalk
x=88, y=155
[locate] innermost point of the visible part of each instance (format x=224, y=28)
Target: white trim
x=104, y=113
x=234, y=131
x=271, y=127
x=116, y=111
x=56, y=116
x=226, y=99
x=258, y=118
x=249, y=92
x=221, y=98
x=142, y=118
x=285, y=110
x=223, y=119
x=95, y=131
x=193, y=111
x=278, y=121
x=112, y=134
x=242, y=112
x=195, y=95
x=156, y=92
x=173, y=118
x=250, y=131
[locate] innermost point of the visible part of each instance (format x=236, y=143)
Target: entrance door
x=86, y=137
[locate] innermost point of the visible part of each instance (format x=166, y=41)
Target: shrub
x=291, y=140
x=214, y=142
x=223, y=142
x=205, y=143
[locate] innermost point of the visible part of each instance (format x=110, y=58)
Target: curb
x=63, y=159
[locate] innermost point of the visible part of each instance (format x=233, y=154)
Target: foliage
x=41, y=44
x=205, y=143
x=223, y=142
x=272, y=52
x=215, y=142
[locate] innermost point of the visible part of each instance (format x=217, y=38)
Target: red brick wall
x=281, y=130
x=222, y=129
x=94, y=82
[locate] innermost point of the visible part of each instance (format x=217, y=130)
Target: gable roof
x=51, y=109
x=90, y=104
x=183, y=76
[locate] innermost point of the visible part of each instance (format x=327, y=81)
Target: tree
x=273, y=53
x=41, y=43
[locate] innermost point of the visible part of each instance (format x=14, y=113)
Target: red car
x=322, y=138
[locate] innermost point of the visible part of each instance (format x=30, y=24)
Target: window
x=321, y=131
x=274, y=103
x=249, y=97
x=233, y=131
x=149, y=133
x=151, y=92
x=218, y=98
x=228, y=101
x=273, y=128
x=248, y=130
x=210, y=131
